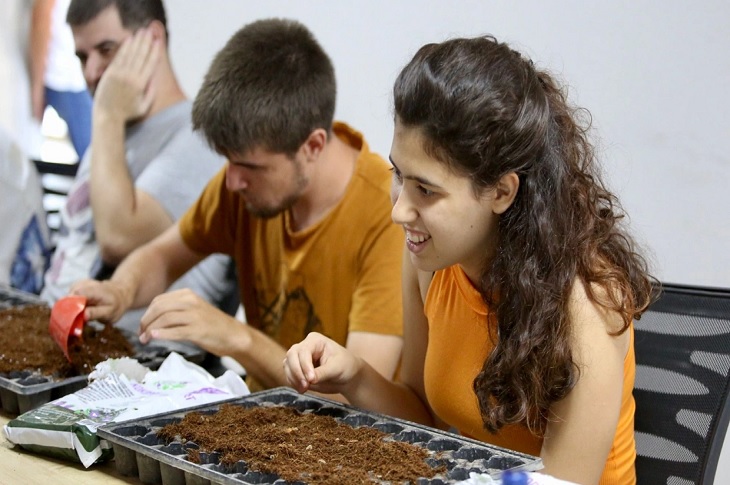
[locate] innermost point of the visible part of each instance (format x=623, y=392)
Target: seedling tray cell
x=139, y=450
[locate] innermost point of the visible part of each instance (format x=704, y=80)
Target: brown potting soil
x=300, y=447
x=26, y=344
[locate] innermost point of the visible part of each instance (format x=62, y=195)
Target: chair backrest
x=682, y=383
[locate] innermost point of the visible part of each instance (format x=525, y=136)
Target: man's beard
x=288, y=202
x=270, y=212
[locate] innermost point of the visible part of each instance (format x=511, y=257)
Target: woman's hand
x=320, y=364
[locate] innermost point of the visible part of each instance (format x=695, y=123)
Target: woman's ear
x=505, y=192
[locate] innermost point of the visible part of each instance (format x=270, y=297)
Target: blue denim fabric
x=75, y=110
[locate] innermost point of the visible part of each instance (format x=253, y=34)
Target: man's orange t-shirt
x=338, y=276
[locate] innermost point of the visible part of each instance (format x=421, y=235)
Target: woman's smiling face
x=445, y=221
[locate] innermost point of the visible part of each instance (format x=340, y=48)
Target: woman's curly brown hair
x=486, y=111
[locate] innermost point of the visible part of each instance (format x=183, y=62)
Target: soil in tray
x=299, y=447
x=26, y=344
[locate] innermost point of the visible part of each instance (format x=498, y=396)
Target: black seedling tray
x=10, y=297
x=21, y=391
x=138, y=451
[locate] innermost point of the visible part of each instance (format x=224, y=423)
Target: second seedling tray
x=138, y=451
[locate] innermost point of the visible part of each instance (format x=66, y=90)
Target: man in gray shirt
x=145, y=165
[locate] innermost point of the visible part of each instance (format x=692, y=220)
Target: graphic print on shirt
x=288, y=315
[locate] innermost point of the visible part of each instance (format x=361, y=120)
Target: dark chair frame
x=66, y=169
x=680, y=354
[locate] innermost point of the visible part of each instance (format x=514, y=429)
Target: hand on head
x=125, y=90
x=320, y=364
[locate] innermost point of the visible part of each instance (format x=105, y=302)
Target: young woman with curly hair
x=520, y=281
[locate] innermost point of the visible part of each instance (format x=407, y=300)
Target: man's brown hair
x=270, y=86
x=133, y=14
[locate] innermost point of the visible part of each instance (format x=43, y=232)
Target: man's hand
x=106, y=301
x=183, y=315
x=124, y=91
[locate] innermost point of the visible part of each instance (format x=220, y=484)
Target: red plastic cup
x=67, y=321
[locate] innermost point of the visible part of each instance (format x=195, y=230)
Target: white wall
x=654, y=74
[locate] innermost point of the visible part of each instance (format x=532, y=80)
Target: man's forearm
x=260, y=355
x=40, y=35
x=112, y=189
x=143, y=276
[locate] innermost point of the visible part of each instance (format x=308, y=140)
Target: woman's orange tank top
x=458, y=344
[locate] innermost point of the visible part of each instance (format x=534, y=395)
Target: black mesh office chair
x=682, y=384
